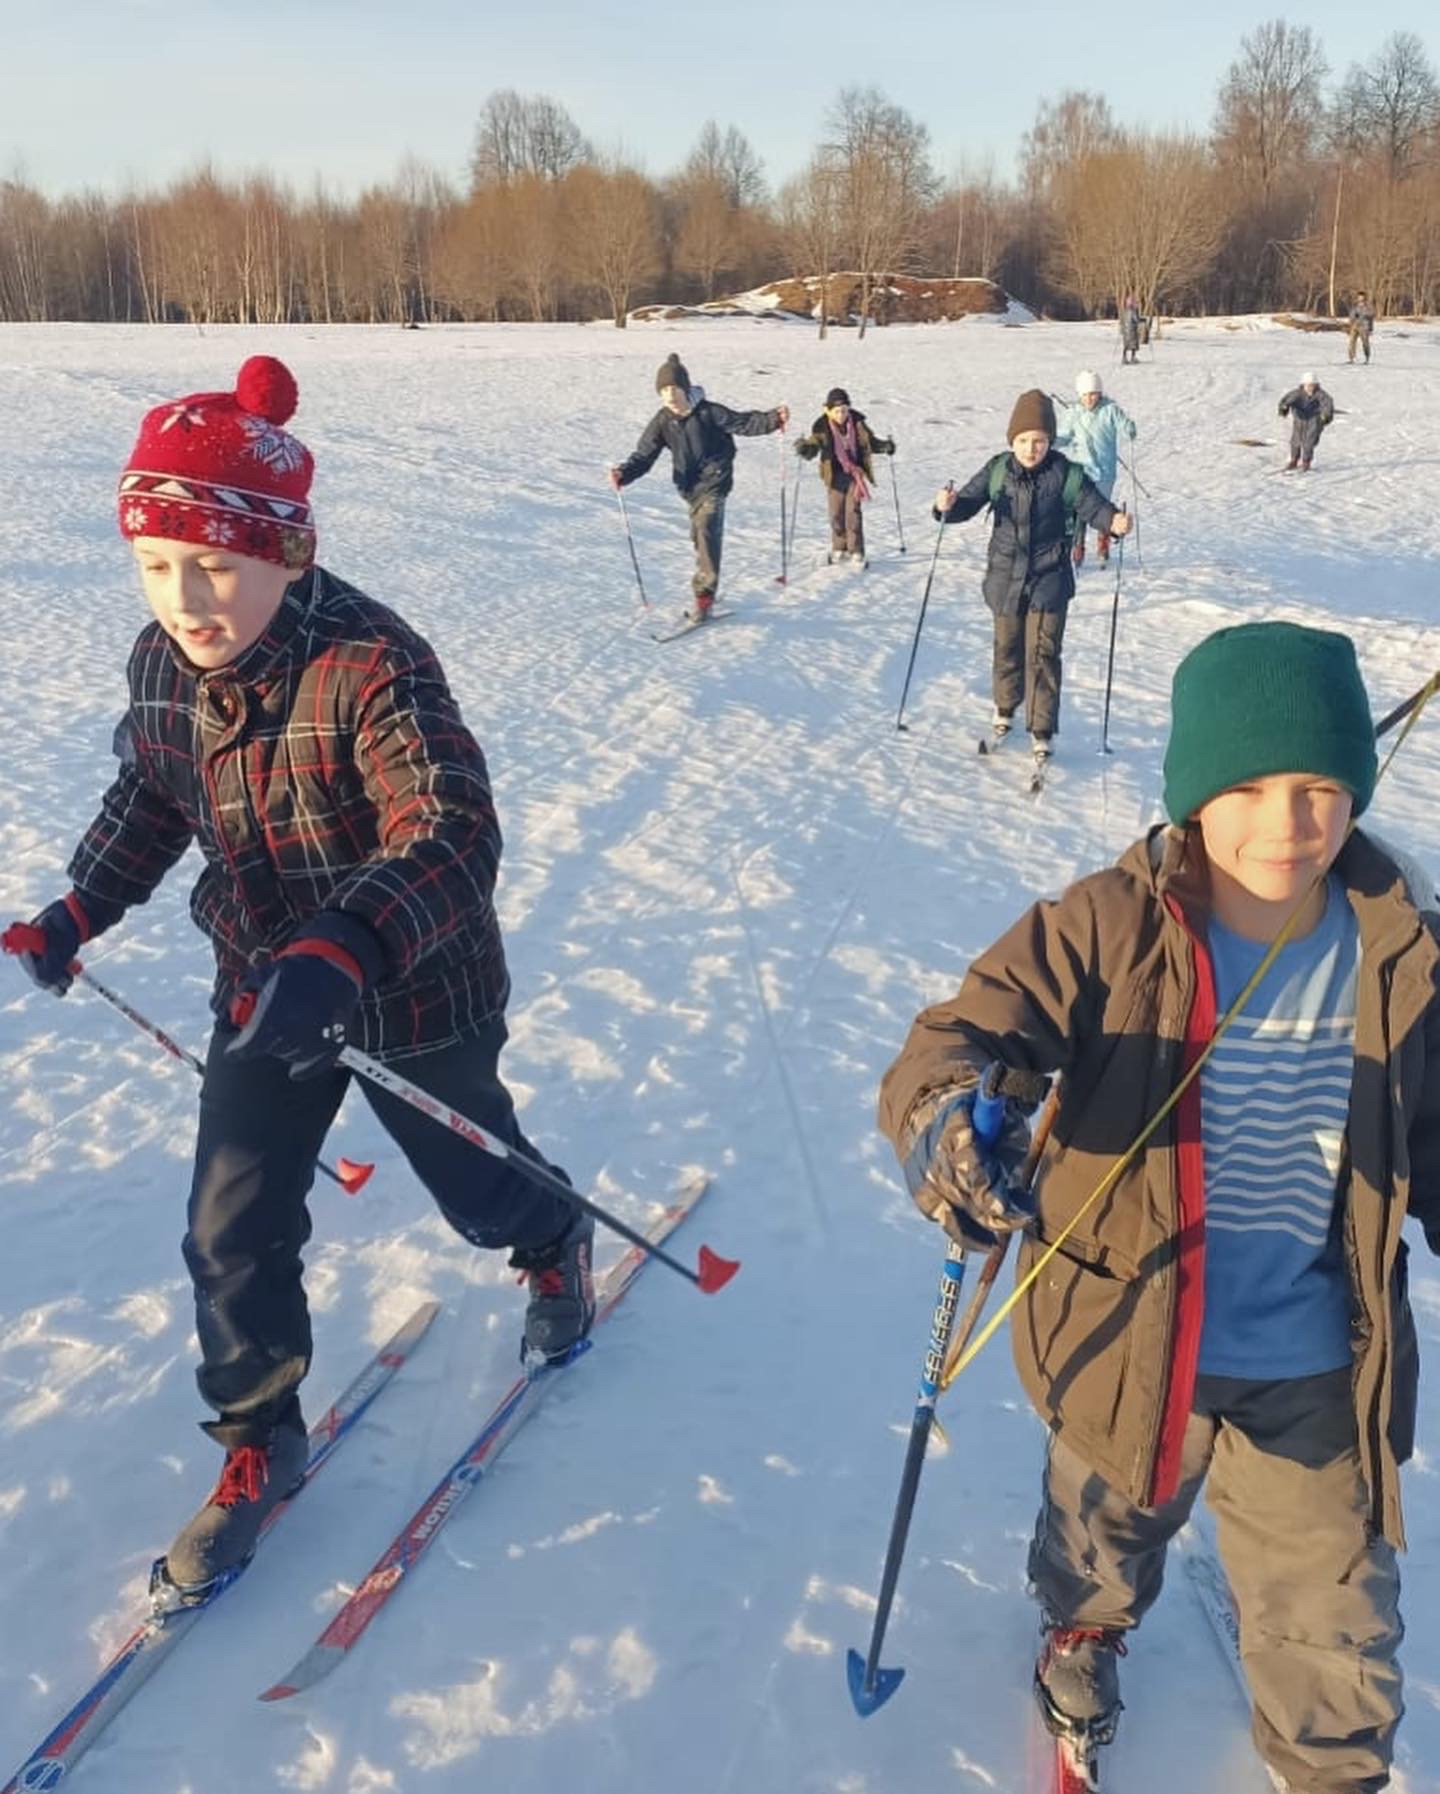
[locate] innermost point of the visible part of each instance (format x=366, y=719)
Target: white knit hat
x=1087, y=380
x=1308, y=379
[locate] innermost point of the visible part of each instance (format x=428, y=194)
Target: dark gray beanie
x=672, y=372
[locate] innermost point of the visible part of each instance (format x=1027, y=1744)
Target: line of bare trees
x=1300, y=192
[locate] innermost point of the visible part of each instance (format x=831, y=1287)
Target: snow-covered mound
x=896, y=299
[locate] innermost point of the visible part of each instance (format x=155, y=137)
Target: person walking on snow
x=1130, y=328
x=845, y=445
x=1035, y=498
x=1362, y=323
x=700, y=435
x=304, y=738
x=1311, y=411
x=1235, y=1309
x=1090, y=434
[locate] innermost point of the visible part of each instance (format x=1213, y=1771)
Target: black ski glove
x=1284, y=411
x=807, y=448
x=46, y=947
x=299, y=1007
x=972, y=1189
x=886, y=446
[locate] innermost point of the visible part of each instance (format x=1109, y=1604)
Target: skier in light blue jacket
x=1090, y=434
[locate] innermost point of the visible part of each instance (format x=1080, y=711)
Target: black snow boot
x=257, y=1478
x=1077, y=1681
x=561, y=1309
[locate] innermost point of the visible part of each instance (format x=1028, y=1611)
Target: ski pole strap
x=1412, y=711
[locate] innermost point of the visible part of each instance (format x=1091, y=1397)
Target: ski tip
x=715, y=1272
x=870, y=1700
x=281, y=1691
x=983, y=748
x=353, y=1175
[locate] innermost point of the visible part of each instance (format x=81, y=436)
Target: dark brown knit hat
x=837, y=395
x=672, y=372
x=1033, y=411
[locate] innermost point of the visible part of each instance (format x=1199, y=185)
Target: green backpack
x=1074, y=476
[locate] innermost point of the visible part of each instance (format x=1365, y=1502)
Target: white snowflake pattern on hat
x=187, y=416
x=277, y=448
x=219, y=529
x=136, y=518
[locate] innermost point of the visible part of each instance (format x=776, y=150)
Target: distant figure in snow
x=845, y=445
x=303, y=738
x=1362, y=322
x=1035, y=497
x=1216, y=1295
x=1311, y=410
x=1130, y=328
x=1090, y=434
x=700, y=435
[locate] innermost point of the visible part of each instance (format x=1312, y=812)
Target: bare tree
x=388, y=245
x=25, y=251
x=1145, y=216
x=535, y=243
x=472, y=271
x=966, y=228
x=707, y=242
x=811, y=211
x=519, y=135
x=1065, y=131
x=616, y=232
x=729, y=159
x=1269, y=113
x=883, y=155
x=1391, y=103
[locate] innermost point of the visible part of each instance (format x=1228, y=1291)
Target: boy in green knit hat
x=1235, y=1305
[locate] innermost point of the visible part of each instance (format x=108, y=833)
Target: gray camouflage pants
x=1317, y=1595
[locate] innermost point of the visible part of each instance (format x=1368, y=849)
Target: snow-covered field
x=728, y=885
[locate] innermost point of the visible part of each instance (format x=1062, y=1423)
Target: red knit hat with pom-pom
x=218, y=468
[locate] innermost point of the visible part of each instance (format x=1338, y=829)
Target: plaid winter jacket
x=327, y=768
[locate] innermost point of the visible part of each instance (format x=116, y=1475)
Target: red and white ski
x=157, y=1634
x=422, y=1529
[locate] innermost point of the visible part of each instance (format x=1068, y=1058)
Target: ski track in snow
x=728, y=885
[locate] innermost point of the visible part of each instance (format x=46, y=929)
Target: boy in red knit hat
x=305, y=739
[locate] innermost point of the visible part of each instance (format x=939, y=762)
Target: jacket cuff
x=92, y=915
x=344, y=941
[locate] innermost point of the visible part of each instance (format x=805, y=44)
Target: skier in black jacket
x=700, y=436
x=1029, y=576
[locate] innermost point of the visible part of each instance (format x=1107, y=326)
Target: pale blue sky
x=94, y=93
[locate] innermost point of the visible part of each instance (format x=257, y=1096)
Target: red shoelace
x=547, y=1283
x=1065, y=1638
x=247, y=1469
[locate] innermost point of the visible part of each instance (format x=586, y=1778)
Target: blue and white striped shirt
x=1274, y=1098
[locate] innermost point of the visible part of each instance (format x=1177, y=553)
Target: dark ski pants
x=1305, y=435
x=1361, y=338
x=847, y=519
x=1316, y=1592
x=707, y=531
x=1027, y=665
x=259, y=1136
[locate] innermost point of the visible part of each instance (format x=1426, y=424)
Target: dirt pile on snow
x=895, y=299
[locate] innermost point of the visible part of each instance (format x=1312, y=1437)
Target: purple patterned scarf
x=847, y=453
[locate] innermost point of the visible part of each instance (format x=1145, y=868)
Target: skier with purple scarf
x=846, y=447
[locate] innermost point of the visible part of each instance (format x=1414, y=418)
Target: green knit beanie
x=1266, y=698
